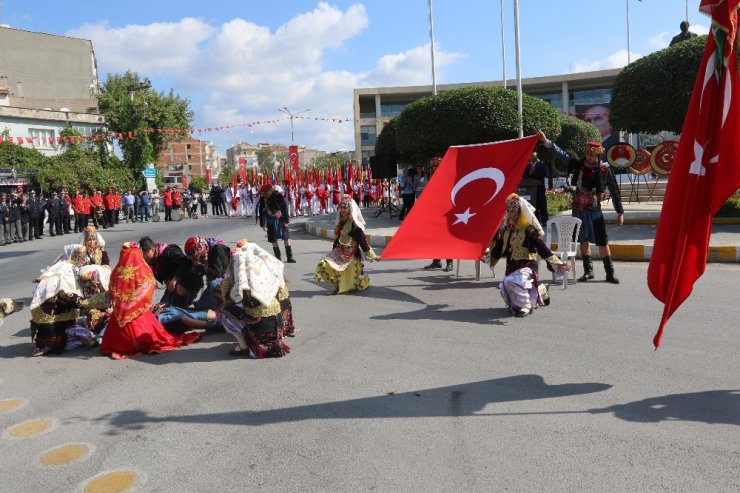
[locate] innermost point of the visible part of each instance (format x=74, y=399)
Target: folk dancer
x=591, y=178
x=519, y=240
x=342, y=267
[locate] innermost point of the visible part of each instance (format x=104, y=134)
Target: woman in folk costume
x=342, y=267
x=133, y=328
x=256, y=307
x=93, y=252
x=520, y=240
x=65, y=292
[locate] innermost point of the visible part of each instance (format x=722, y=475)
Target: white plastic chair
x=567, y=228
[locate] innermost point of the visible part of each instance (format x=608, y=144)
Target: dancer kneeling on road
x=520, y=240
x=342, y=267
x=256, y=307
x=182, y=279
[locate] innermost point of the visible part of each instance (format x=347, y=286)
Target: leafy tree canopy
x=652, y=94
x=471, y=115
x=130, y=104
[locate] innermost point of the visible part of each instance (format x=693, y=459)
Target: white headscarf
x=254, y=269
x=57, y=278
x=356, y=213
x=528, y=211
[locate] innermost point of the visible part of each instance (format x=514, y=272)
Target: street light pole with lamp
x=285, y=110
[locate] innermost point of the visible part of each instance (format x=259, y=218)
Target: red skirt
x=144, y=334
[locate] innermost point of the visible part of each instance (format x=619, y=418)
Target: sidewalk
x=633, y=241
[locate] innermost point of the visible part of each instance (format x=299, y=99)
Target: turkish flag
x=463, y=203
x=705, y=172
x=293, y=153
x=243, y=169
x=208, y=176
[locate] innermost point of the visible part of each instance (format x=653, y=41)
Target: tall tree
x=131, y=106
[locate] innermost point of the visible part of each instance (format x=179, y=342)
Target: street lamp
x=285, y=110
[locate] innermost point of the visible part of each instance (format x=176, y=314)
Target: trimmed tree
x=573, y=137
x=652, y=94
x=471, y=115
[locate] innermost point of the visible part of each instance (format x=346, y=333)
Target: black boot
x=289, y=255
x=588, y=269
x=609, y=268
x=277, y=252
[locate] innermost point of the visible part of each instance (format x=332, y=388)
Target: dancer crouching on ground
x=342, y=267
x=520, y=240
x=256, y=306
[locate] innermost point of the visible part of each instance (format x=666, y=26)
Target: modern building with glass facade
x=374, y=107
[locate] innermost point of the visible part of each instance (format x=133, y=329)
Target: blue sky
x=239, y=61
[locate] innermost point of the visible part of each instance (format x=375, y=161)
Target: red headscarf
x=132, y=285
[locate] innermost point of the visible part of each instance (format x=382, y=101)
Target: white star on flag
x=464, y=217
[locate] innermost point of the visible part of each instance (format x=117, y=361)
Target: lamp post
x=285, y=110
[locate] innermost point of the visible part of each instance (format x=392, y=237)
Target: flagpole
x=627, y=2
x=503, y=43
x=518, y=70
x=431, y=35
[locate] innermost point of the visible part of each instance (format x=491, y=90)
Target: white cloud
x=699, y=29
x=151, y=49
x=660, y=40
x=242, y=72
x=615, y=60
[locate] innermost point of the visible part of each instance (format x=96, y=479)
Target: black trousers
x=33, y=228
x=168, y=213
x=408, y=202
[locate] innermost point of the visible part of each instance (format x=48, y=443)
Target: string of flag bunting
x=121, y=136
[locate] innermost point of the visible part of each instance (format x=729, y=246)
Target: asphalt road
x=422, y=383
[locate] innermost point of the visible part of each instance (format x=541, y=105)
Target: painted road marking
x=66, y=454
x=112, y=482
x=13, y=404
x=31, y=428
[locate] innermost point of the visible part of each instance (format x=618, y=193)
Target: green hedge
x=652, y=94
x=473, y=115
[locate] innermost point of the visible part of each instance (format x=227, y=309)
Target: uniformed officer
x=15, y=217
x=36, y=214
x=55, y=207
x=4, y=220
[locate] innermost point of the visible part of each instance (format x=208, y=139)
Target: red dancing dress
x=133, y=328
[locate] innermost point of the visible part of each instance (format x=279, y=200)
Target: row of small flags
x=133, y=135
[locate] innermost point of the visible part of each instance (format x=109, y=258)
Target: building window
x=391, y=110
x=188, y=146
x=367, y=135
x=590, y=97
x=190, y=156
x=42, y=138
x=555, y=99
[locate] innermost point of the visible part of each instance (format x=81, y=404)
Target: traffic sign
x=150, y=172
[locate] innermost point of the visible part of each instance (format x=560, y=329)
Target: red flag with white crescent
x=463, y=203
x=293, y=153
x=705, y=171
x=243, y=169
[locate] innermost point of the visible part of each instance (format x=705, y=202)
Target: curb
x=620, y=251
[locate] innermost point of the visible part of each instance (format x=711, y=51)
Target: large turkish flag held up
x=706, y=170
x=463, y=204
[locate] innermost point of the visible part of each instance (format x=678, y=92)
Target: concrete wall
x=48, y=71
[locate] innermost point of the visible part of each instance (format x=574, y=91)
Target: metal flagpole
x=503, y=43
x=518, y=70
x=627, y=2
x=431, y=35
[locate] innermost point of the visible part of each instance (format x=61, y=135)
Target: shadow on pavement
x=711, y=407
x=458, y=400
x=20, y=253
x=482, y=316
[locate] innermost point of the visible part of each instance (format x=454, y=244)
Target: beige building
x=46, y=82
x=374, y=107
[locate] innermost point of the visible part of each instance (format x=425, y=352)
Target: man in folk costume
x=519, y=240
x=342, y=267
x=591, y=178
x=255, y=304
x=273, y=216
